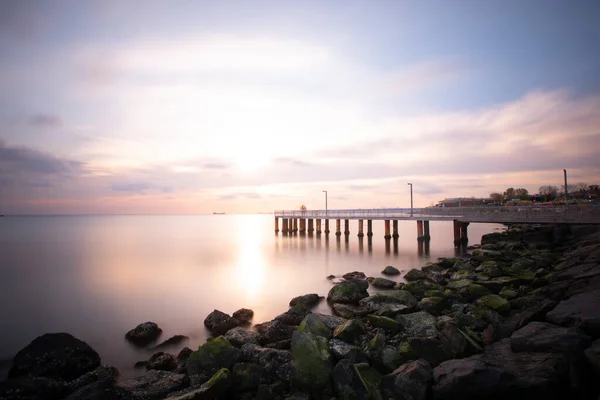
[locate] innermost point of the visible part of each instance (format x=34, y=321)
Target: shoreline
x=452, y=321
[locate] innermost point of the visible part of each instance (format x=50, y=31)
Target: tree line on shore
x=547, y=192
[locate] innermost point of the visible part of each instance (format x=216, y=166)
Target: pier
x=461, y=217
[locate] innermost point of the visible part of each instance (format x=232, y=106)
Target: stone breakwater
x=518, y=318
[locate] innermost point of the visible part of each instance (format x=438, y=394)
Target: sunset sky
x=197, y=106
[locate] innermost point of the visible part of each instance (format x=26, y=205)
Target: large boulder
x=456, y=342
x=384, y=323
x=311, y=362
x=496, y=303
x=356, y=381
x=32, y=388
x=55, y=356
x=386, y=359
x=212, y=356
x=215, y=387
x=306, y=301
x=417, y=324
x=172, y=341
x=411, y=381
x=293, y=316
x=274, y=331
x=247, y=376
x=340, y=350
x=313, y=324
x=240, y=336
x=348, y=292
x=218, y=323
x=580, y=310
x=162, y=362
x=104, y=374
x=349, y=310
x=331, y=321
x=144, y=334
x=277, y=363
x=414, y=275
x=389, y=270
x=354, y=275
x=542, y=337
x=351, y=331
x=243, y=316
x=382, y=283
x=155, y=385
x=389, y=298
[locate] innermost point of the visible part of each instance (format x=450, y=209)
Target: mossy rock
x=369, y=379
x=486, y=255
x=406, y=351
x=382, y=283
x=474, y=291
x=377, y=342
x=463, y=274
x=457, y=285
x=350, y=331
x=435, y=293
x=448, y=262
x=522, y=265
x=313, y=324
x=348, y=292
x=214, y=388
x=213, y=355
x=489, y=268
x=418, y=288
x=508, y=294
x=386, y=359
x=247, y=376
x=414, y=275
x=389, y=270
x=311, y=361
x=394, y=297
x=496, y=303
x=418, y=324
x=432, y=305
x=384, y=323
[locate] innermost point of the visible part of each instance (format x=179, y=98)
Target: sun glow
x=250, y=269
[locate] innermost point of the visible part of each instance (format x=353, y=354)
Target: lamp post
x=325, y=191
x=411, y=199
x=566, y=187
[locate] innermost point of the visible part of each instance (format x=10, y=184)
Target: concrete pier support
x=276, y=225
x=294, y=225
x=319, y=226
x=369, y=228
x=284, y=226
x=302, y=226
x=420, y=236
x=388, y=247
x=426, y=234
x=395, y=234
x=387, y=229
x=311, y=228
x=347, y=227
x=360, y=228
x=395, y=245
x=460, y=233
x=338, y=232
x=327, y=227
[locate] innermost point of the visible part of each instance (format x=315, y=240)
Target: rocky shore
x=517, y=318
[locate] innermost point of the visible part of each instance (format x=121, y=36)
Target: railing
x=581, y=214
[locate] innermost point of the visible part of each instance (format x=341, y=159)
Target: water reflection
x=250, y=266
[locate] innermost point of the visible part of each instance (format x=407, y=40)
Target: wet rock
x=349, y=310
x=382, y=283
x=459, y=284
x=496, y=303
x=311, y=362
x=313, y=324
x=162, y=362
x=592, y=354
x=428, y=348
x=55, y=356
x=348, y=292
x=281, y=345
x=355, y=275
x=536, y=312
x=144, y=334
x=580, y=310
x=306, y=301
x=474, y=291
x=155, y=384
x=456, y=342
x=247, y=376
x=386, y=359
x=417, y=324
x=411, y=381
x=342, y=350
x=419, y=288
x=104, y=373
x=330, y=277
x=389, y=270
x=384, y=323
x=32, y=388
x=414, y=274
x=357, y=381
x=541, y=337
x=211, y=356
x=274, y=331
x=218, y=323
x=216, y=386
x=172, y=341
x=243, y=316
x=100, y=391
x=350, y=331
x=432, y=305
x=274, y=391
x=394, y=297
x=277, y=363
x=240, y=336
x=293, y=316
x=184, y=354
x=331, y=321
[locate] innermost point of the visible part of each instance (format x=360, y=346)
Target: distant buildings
x=464, y=202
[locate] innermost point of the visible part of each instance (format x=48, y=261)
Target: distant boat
x=216, y=213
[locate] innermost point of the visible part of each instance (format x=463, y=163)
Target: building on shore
x=465, y=202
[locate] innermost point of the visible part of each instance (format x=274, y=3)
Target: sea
x=97, y=277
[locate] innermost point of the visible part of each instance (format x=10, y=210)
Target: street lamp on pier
x=325, y=191
x=411, y=200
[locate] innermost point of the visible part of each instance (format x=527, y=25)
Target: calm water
x=96, y=277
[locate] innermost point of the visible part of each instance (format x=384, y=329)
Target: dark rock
x=580, y=310
x=541, y=337
x=428, y=348
x=330, y=277
x=240, y=336
x=243, y=316
x=274, y=331
x=104, y=373
x=212, y=356
x=391, y=298
x=55, y=356
x=432, y=305
x=247, y=376
x=342, y=350
x=313, y=324
x=537, y=312
x=419, y=288
x=592, y=355
x=32, y=388
x=162, y=362
x=496, y=303
x=350, y=331
x=355, y=275
x=331, y=321
x=144, y=334
x=140, y=364
x=155, y=384
x=101, y=391
x=382, y=283
x=414, y=275
x=293, y=316
x=311, y=362
x=385, y=323
x=386, y=359
x=172, y=341
x=417, y=324
x=281, y=345
x=457, y=343
x=411, y=381
x=356, y=381
x=306, y=301
x=349, y=310
x=274, y=391
x=277, y=363
x=216, y=386
x=218, y=323
x=389, y=270
x=348, y=292
x=184, y=354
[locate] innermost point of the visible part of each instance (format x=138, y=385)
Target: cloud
x=240, y=195
x=292, y=161
x=131, y=187
x=24, y=160
x=45, y=121
x=214, y=165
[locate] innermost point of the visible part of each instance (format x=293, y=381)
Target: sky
x=192, y=106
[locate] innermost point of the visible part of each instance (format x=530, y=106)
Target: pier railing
x=579, y=214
